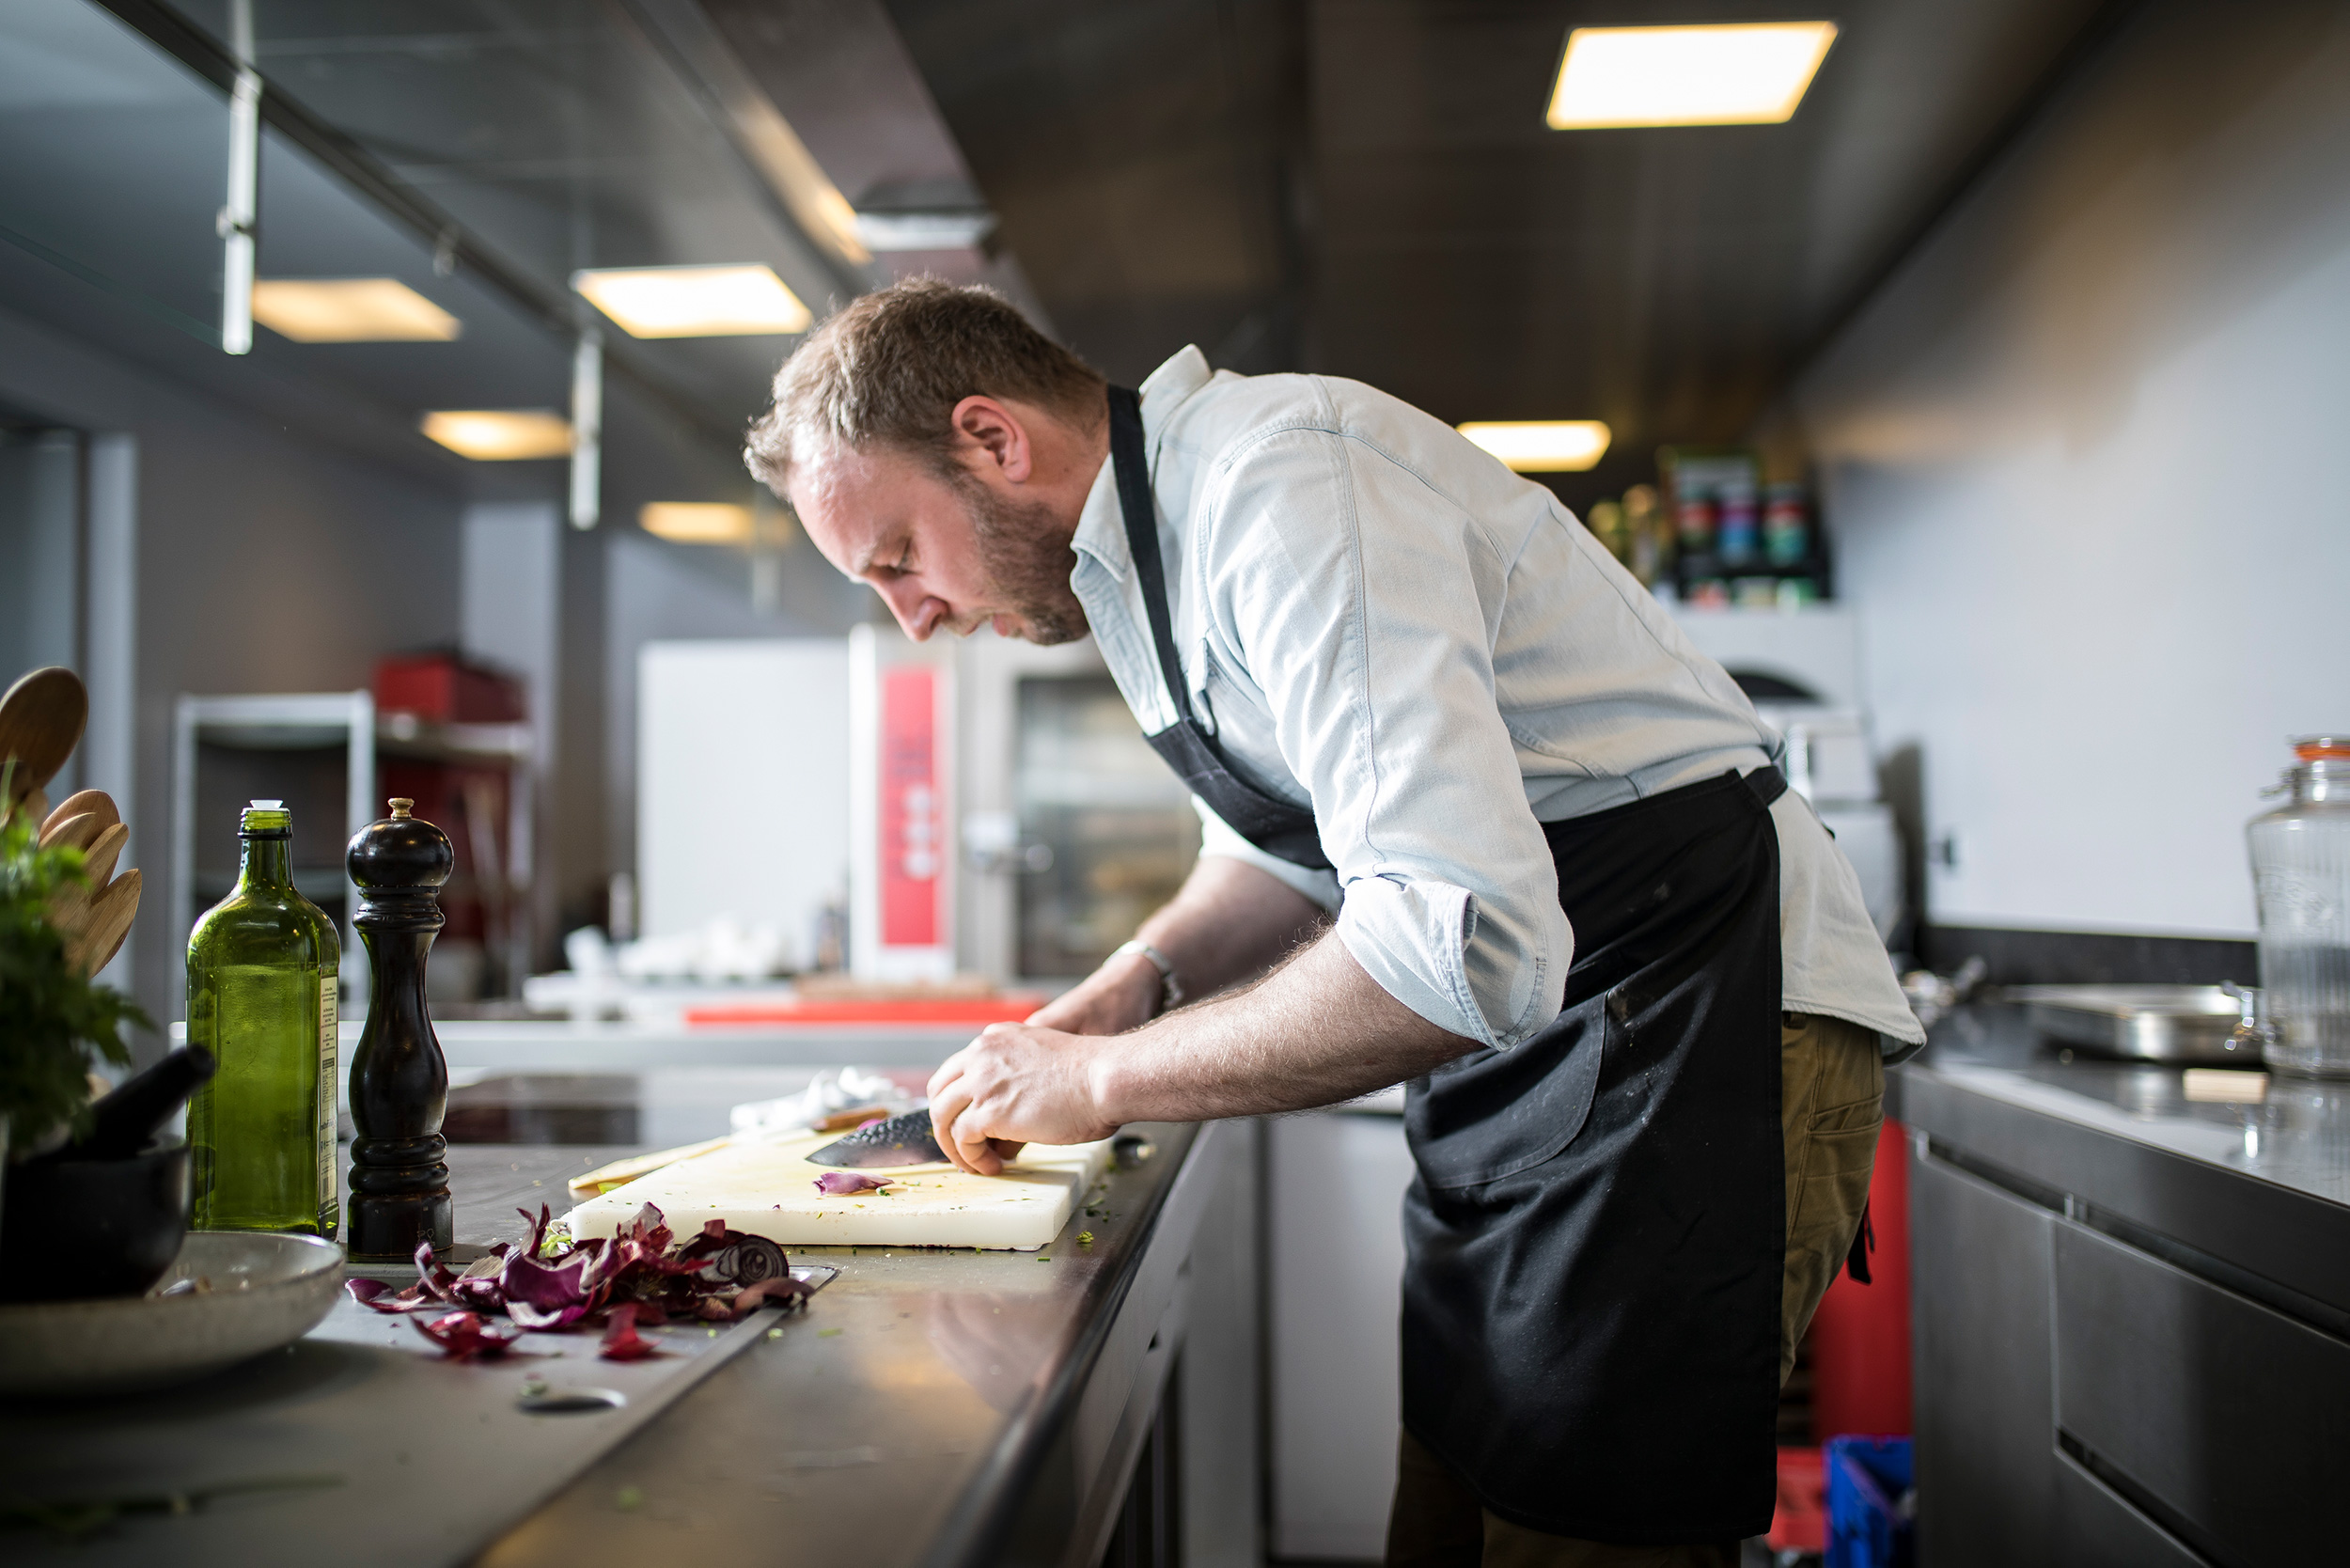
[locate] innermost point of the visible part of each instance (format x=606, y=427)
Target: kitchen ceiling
x=1367, y=188
x=1360, y=187
x=478, y=152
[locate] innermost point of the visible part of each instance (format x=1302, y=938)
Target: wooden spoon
x=103, y=925
x=97, y=803
x=40, y=723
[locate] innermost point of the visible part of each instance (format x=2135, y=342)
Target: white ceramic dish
x=265, y=1292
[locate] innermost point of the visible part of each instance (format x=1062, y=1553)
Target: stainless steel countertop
x=2255, y=1195
x=928, y=1408
x=2297, y=1135
x=900, y=1422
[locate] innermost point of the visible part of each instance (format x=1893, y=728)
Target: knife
x=900, y=1140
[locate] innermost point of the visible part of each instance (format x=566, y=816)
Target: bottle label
x=327, y=1090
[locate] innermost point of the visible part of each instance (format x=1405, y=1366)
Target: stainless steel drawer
x=1981, y=1275
x=2220, y=1417
x=2100, y=1528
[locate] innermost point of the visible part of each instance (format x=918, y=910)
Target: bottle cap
x=266, y=819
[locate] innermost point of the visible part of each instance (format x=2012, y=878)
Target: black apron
x=1597, y=1230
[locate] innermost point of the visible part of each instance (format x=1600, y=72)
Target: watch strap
x=1170, y=988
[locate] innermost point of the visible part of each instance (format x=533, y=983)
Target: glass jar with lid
x=2301, y=882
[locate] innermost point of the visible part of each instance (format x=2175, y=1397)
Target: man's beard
x=1027, y=561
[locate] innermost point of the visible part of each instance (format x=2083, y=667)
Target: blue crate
x=1872, y=1501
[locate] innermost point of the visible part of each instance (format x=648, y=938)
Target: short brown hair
x=891, y=366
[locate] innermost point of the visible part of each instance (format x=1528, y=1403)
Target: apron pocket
x=1495, y=1113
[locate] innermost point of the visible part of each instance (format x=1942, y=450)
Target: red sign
x=912, y=842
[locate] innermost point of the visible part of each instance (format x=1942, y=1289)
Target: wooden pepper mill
x=399, y=1079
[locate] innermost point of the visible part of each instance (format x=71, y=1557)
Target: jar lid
x=2312, y=748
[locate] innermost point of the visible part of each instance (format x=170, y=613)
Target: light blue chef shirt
x=1381, y=622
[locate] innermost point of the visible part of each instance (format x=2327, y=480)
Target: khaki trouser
x=1832, y=1106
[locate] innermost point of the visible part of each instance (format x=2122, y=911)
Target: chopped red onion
x=621, y=1343
x=468, y=1336
x=633, y=1278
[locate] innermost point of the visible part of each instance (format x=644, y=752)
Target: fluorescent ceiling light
x=697, y=522
x=947, y=230
x=350, y=310
x=1751, y=73
x=500, y=435
x=695, y=302
x=1542, y=445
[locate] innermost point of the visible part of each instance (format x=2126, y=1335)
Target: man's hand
x=1315, y=1031
x=1016, y=1084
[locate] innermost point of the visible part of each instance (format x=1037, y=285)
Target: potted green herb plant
x=55, y=1022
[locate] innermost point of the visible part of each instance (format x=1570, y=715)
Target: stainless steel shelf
x=321, y=721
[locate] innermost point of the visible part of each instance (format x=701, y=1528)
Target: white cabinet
x=742, y=785
x=1334, y=1200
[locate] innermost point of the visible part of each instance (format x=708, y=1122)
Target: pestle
x=123, y=1122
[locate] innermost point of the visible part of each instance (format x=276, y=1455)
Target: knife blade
x=902, y=1140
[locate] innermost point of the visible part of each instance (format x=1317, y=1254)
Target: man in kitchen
x=1476, y=816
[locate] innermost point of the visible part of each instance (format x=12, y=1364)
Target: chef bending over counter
x=1477, y=816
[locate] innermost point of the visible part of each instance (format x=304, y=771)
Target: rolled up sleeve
x=1218, y=838
x=1362, y=605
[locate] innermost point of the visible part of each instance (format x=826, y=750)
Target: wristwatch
x=1170, y=989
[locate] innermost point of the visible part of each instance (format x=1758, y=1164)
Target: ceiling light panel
x=936, y=230
x=500, y=435
x=697, y=522
x=350, y=310
x=1751, y=73
x=695, y=302
x=1542, y=445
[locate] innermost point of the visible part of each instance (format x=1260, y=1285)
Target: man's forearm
x=1315, y=1031
x=1227, y=922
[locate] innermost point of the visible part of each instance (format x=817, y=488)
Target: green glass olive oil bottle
x=262, y=998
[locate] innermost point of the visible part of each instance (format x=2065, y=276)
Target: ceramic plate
x=261, y=1291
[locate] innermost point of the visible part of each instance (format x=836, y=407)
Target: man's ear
x=987, y=433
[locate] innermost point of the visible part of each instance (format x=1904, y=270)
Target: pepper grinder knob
x=399, y=1079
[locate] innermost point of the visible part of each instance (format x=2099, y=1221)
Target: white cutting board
x=769, y=1189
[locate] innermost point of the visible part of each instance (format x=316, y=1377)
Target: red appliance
x=442, y=689
x=1860, y=1338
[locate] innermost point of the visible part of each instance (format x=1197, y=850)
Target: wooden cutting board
x=769, y=1189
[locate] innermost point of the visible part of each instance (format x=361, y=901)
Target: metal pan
x=2184, y=1024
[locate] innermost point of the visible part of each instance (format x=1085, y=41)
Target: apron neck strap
x=1131, y=459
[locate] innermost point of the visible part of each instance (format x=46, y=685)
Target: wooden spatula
x=40, y=723
x=96, y=917
x=95, y=803
x=98, y=859
x=74, y=833
x=97, y=928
